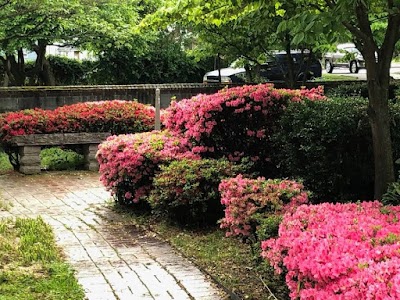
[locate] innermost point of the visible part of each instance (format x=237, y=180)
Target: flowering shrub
x=128, y=163
x=109, y=116
x=234, y=122
x=339, y=251
x=187, y=190
x=250, y=202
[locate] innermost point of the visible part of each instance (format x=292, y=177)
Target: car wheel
x=354, y=67
x=328, y=66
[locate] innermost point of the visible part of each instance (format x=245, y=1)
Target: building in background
x=64, y=51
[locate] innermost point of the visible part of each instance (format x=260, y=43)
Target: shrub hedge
x=328, y=145
x=235, y=122
x=186, y=191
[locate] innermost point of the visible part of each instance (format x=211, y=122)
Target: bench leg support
x=89, y=153
x=29, y=159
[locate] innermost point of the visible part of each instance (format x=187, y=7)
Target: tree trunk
x=378, y=75
x=378, y=61
x=42, y=65
x=17, y=68
x=378, y=112
x=289, y=76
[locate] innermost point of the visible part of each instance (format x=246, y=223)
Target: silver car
x=346, y=56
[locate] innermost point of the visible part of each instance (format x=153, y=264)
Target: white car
x=346, y=56
x=228, y=75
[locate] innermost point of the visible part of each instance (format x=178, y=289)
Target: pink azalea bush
x=114, y=116
x=339, y=251
x=235, y=122
x=250, y=202
x=128, y=163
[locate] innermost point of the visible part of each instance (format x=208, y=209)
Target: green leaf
x=309, y=26
x=298, y=38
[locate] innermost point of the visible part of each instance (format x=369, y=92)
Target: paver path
x=112, y=259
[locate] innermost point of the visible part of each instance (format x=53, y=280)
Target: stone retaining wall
x=17, y=98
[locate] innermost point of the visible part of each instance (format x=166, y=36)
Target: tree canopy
x=31, y=25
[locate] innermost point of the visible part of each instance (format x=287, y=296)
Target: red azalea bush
x=234, y=122
x=339, y=251
x=250, y=202
x=128, y=163
x=109, y=116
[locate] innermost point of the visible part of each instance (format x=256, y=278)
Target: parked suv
x=304, y=66
x=346, y=56
x=275, y=69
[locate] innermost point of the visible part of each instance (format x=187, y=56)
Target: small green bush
x=186, y=191
x=56, y=158
x=5, y=164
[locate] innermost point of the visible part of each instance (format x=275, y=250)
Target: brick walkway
x=112, y=258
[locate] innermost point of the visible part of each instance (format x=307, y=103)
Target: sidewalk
x=113, y=259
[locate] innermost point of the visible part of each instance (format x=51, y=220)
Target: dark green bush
x=187, y=191
x=328, y=145
x=359, y=89
x=56, y=158
x=69, y=71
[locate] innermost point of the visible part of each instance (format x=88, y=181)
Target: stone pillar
x=29, y=159
x=89, y=153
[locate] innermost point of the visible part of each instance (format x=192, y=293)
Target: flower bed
x=128, y=163
x=342, y=251
x=104, y=116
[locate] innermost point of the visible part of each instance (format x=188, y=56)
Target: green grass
x=31, y=265
x=230, y=261
x=335, y=77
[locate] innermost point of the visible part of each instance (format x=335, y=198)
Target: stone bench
x=28, y=148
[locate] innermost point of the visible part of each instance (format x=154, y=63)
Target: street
x=362, y=74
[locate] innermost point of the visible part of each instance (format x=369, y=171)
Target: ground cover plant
x=339, y=251
x=114, y=116
x=31, y=266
